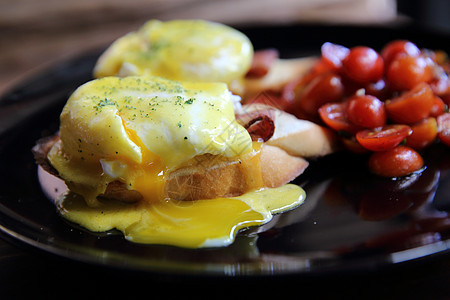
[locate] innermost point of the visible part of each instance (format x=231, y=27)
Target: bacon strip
x=261, y=63
x=40, y=152
x=261, y=128
x=259, y=124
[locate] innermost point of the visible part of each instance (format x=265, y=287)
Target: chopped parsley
x=104, y=102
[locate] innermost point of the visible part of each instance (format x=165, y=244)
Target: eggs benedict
x=166, y=162
x=159, y=148
x=193, y=50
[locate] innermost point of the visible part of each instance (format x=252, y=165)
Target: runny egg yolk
x=123, y=128
x=150, y=174
x=136, y=130
x=189, y=224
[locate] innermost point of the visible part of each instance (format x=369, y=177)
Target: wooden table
x=34, y=33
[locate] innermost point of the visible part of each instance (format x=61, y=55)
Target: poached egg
x=193, y=50
x=137, y=130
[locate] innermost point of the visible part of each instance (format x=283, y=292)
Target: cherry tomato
x=446, y=99
x=325, y=88
x=378, y=89
x=443, y=122
x=383, y=138
x=353, y=146
x=333, y=114
x=423, y=134
x=366, y=111
x=438, y=107
x=395, y=48
x=363, y=65
x=333, y=54
x=396, y=162
x=412, y=106
x=405, y=72
x=321, y=66
x=440, y=83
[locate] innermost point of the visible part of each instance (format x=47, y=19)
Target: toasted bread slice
x=278, y=167
x=280, y=73
x=297, y=137
x=210, y=176
x=206, y=176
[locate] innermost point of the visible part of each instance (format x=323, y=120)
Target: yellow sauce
x=136, y=129
x=190, y=224
x=193, y=50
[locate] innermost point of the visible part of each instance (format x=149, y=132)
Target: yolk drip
x=190, y=224
x=150, y=174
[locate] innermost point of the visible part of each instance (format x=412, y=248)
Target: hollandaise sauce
x=138, y=131
x=193, y=50
x=189, y=224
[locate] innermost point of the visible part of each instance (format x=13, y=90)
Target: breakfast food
x=392, y=104
x=192, y=50
x=187, y=135
x=160, y=147
x=146, y=154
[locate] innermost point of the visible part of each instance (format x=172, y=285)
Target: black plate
x=351, y=220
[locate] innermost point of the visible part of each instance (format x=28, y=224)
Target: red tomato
x=405, y=72
x=353, y=146
x=378, y=89
x=325, y=88
x=384, y=138
x=333, y=54
x=333, y=114
x=396, y=162
x=423, y=134
x=412, y=106
x=443, y=122
x=438, y=107
x=366, y=111
x=363, y=65
x=395, y=48
x=446, y=99
x=440, y=83
x=321, y=66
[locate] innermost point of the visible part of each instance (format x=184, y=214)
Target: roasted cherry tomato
x=396, y=162
x=411, y=106
x=333, y=54
x=438, y=107
x=423, y=134
x=440, y=83
x=326, y=87
x=446, y=99
x=384, y=138
x=405, y=72
x=443, y=122
x=352, y=145
x=378, y=89
x=366, y=111
x=334, y=115
x=363, y=65
x=395, y=48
